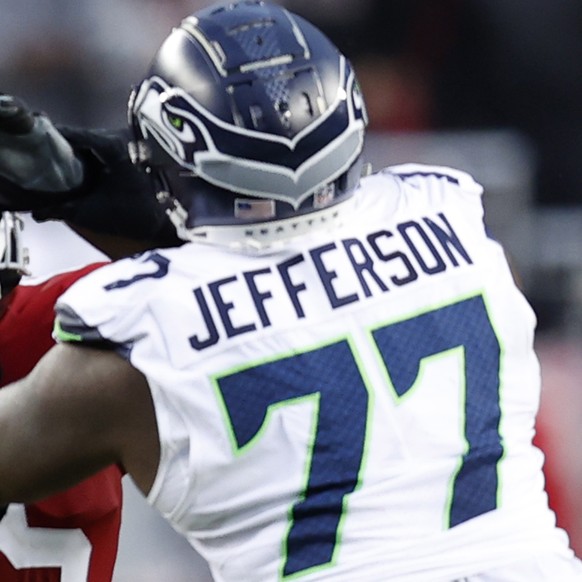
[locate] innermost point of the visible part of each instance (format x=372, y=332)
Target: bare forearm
x=32, y=465
x=79, y=411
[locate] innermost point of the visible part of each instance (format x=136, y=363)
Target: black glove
x=115, y=197
x=35, y=159
x=82, y=176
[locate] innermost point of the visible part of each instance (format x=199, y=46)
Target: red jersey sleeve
x=73, y=535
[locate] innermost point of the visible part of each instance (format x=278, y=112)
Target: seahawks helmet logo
x=248, y=161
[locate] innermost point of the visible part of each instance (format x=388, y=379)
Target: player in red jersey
x=71, y=536
x=88, y=181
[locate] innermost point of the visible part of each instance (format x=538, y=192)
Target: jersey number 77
x=333, y=377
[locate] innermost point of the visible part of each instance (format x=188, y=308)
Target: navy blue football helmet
x=252, y=124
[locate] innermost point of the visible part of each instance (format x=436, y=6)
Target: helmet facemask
x=13, y=254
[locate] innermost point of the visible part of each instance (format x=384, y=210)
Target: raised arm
x=83, y=177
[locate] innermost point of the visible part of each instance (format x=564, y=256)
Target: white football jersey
x=358, y=405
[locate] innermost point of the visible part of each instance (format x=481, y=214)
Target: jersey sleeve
x=76, y=531
x=458, y=179
x=444, y=187
x=107, y=310
x=27, y=322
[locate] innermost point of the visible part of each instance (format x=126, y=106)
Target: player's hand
x=33, y=153
x=82, y=176
x=116, y=197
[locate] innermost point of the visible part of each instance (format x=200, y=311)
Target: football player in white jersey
x=334, y=378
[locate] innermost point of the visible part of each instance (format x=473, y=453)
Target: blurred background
x=489, y=86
